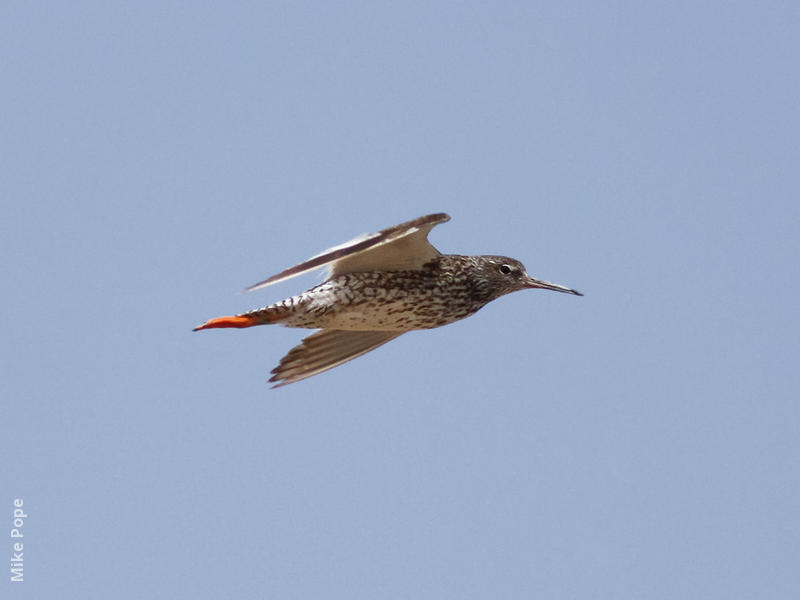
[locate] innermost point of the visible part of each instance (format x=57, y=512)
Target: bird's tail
x=261, y=316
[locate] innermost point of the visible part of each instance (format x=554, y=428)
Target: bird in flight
x=378, y=287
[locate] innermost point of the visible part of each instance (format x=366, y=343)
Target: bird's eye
x=505, y=269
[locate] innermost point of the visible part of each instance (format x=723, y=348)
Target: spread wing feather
x=402, y=247
x=326, y=349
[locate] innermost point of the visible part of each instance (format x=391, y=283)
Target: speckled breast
x=392, y=300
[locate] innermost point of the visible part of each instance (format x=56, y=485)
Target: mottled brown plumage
x=380, y=286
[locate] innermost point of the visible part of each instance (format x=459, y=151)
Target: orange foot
x=238, y=322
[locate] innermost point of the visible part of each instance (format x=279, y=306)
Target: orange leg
x=238, y=322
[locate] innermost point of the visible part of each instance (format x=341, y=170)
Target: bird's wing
x=402, y=247
x=327, y=349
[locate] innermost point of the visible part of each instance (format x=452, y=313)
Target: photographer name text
x=17, y=546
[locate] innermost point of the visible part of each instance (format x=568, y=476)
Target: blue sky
x=640, y=441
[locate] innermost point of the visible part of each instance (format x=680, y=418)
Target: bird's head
x=505, y=275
